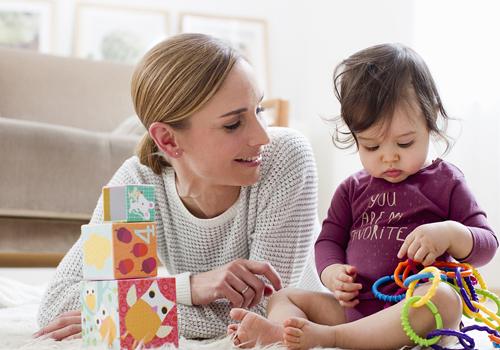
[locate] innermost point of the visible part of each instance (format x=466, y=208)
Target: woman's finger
x=58, y=323
x=255, y=284
x=74, y=336
x=64, y=332
x=233, y=295
x=264, y=269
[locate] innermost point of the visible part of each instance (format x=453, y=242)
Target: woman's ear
x=164, y=137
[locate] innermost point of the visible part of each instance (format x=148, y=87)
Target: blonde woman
x=236, y=202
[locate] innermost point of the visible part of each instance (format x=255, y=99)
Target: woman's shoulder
x=287, y=158
x=286, y=145
x=132, y=171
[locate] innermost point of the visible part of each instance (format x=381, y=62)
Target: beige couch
x=60, y=142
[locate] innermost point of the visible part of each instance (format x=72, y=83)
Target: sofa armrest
x=55, y=171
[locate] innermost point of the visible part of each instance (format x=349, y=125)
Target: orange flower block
x=119, y=250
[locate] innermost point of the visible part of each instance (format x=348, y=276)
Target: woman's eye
x=233, y=126
x=260, y=109
x=405, y=145
x=371, y=148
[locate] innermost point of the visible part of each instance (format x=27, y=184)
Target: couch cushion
x=56, y=171
x=64, y=90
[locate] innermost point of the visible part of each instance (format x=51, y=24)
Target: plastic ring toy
x=476, y=327
x=385, y=297
x=432, y=290
x=487, y=294
x=406, y=323
x=471, y=289
x=481, y=282
x=494, y=339
x=420, y=276
x=466, y=341
x=405, y=274
x=480, y=318
x=463, y=292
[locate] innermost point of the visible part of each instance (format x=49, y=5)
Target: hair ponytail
x=148, y=154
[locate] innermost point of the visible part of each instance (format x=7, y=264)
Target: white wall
x=463, y=53
x=307, y=39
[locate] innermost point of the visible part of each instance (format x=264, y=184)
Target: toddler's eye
x=405, y=145
x=371, y=148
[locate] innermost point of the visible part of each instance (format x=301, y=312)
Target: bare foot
x=303, y=334
x=253, y=329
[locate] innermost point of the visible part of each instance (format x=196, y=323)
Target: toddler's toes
x=295, y=322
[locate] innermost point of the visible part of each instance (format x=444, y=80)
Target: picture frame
x=248, y=35
x=27, y=24
x=117, y=33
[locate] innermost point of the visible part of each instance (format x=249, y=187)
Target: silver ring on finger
x=245, y=289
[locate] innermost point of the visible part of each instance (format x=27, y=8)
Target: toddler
x=402, y=205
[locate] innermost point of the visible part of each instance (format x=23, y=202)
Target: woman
x=235, y=203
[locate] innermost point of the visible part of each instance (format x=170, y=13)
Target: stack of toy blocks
x=124, y=305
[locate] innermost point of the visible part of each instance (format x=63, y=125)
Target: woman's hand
x=427, y=242
x=236, y=282
x=66, y=326
x=339, y=279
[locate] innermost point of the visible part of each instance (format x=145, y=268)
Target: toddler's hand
x=339, y=278
x=425, y=243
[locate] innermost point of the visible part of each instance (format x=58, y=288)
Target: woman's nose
x=258, y=133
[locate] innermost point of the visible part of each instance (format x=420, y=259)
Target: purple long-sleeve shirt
x=369, y=218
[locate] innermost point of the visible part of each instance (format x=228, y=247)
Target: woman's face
x=223, y=144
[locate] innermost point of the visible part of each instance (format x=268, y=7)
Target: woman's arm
x=286, y=222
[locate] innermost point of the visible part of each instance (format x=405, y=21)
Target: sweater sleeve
x=63, y=291
x=332, y=242
x=286, y=222
x=464, y=209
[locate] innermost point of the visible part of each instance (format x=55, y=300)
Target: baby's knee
x=289, y=295
x=449, y=305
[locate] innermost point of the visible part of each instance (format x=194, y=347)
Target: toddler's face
x=395, y=151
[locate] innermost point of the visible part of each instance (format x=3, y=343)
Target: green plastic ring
x=409, y=330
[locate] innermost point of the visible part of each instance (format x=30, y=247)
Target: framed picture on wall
x=248, y=36
x=117, y=33
x=27, y=24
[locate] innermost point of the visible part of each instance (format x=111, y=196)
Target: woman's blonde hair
x=175, y=79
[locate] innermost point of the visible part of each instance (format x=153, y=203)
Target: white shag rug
x=18, y=309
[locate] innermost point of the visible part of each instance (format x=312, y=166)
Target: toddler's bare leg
x=253, y=329
x=317, y=307
x=381, y=330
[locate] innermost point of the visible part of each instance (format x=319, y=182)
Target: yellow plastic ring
x=432, y=290
x=480, y=317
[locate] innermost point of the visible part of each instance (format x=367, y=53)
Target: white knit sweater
x=274, y=220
